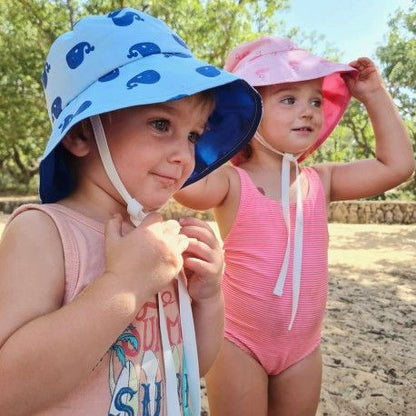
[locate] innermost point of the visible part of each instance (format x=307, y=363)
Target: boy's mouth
x=167, y=180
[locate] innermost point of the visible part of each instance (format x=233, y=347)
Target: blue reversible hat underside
x=129, y=58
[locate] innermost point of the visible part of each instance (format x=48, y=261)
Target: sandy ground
x=369, y=344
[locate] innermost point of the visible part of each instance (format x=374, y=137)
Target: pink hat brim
x=273, y=60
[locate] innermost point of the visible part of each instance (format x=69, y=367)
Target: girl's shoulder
x=324, y=171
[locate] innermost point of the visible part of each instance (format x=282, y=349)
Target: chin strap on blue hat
x=134, y=208
x=288, y=158
x=137, y=215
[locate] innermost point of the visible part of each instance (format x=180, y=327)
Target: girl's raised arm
x=394, y=161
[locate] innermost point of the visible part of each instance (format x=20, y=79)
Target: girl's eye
x=194, y=137
x=161, y=125
x=317, y=103
x=288, y=100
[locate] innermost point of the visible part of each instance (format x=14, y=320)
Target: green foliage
x=211, y=27
x=354, y=138
x=26, y=31
x=398, y=58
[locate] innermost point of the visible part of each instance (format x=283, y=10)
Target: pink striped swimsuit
x=256, y=320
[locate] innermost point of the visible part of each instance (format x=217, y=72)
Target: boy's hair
x=129, y=58
x=83, y=128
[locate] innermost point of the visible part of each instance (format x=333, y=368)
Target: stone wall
x=376, y=212
x=350, y=212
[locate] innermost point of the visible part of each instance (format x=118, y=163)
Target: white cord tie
x=288, y=158
x=134, y=209
x=190, y=353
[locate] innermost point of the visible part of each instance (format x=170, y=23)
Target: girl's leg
x=236, y=384
x=296, y=390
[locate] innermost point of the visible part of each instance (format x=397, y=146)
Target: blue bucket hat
x=129, y=58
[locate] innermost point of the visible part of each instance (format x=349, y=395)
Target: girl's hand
x=147, y=258
x=367, y=82
x=203, y=260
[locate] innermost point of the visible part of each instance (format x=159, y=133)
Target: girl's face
x=292, y=116
x=152, y=146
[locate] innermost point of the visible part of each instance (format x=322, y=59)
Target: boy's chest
x=136, y=373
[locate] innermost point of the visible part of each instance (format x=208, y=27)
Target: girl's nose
x=306, y=110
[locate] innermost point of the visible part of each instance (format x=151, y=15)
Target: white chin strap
x=288, y=158
x=134, y=208
x=190, y=353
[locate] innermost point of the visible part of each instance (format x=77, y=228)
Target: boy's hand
x=146, y=258
x=367, y=82
x=203, y=260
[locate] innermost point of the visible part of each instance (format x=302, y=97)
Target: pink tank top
x=254, y=251
x=129, y=379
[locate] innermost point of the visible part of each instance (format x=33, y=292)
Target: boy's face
x=292, y=116
x=152, y=146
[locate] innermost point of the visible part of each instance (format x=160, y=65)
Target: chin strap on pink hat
x=273, y=60
x=137, y=215
x=288, y=158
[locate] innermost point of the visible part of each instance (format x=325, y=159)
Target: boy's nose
x=182, y=151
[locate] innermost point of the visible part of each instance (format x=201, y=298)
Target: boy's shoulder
x=32, y=226
x=30, y=216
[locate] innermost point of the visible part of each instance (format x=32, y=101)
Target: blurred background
x=382, y=30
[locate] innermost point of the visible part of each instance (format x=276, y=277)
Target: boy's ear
x=78, y=141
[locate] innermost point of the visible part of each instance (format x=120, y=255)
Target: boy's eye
x=161, y=125
x=288, y=100
x=194, y=137
x=317, y=102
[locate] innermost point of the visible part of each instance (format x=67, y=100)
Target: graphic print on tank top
x=136, y=369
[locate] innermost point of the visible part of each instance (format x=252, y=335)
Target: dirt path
x=369, y=344
x=369, y=337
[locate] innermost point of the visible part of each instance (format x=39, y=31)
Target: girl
x=95, y=317
x=272, y=217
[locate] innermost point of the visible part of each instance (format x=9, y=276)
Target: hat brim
x=272, y=60
x=335, y=93
x=233, y=123
x=336, y=98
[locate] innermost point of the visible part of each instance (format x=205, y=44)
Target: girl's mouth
x=308, y=129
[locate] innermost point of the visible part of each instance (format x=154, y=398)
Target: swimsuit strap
x=190, y=352
x=288, y=158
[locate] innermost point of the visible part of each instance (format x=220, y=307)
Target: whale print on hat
x=129, y=58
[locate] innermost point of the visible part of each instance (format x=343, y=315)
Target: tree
x=26, y=30
x=354, y=138
x=398, y=58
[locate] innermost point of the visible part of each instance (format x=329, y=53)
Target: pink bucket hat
x=273, y=60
